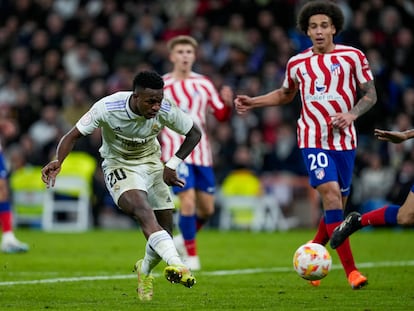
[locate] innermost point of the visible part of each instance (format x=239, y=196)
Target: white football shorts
x=147, y=177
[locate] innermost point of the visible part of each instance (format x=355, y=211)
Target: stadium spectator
x=176, y=26
x=101, y=41
x=242, y=181
x=55, y=26
x=75, y=109
x=32, y=155
x=48, y=129
x=284, y=156
x=222, y=148
x=196, y=95
x=376, y=180
x=214, y=49
x=77, y=60
x=145, y=32
x=326, y=131
x=52, y=66
x=402, y=182
x=118, y=26
x=130, y=123
x=234, y=33
x=39, y=45
x=129, y=55
x=258, y=150
x=257, y=51
x=402, y=122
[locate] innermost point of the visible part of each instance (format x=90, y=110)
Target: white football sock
x=151, y=259
x=162, y=243
x=8, y=236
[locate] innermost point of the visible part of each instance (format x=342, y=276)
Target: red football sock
x=191, y=247
x=199, y=223
x=344, y=251
x=375, y=217
x=321, y=236
x=6, y=221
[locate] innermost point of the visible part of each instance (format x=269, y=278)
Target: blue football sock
x=334, y=216
x=187, y=226
x=390, y=215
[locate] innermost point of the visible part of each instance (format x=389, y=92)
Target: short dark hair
x=327, y=8
x=148, y=79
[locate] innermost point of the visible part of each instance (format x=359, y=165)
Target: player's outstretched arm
x=395, y=137
x=52, y=169
x=281, y=96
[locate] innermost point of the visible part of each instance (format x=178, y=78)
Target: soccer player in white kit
x=327, y=76
x=195, y=94
x=134, y=174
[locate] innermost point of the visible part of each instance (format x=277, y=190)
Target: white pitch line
x=216, y=273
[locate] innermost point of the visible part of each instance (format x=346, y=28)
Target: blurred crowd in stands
x=57, y=57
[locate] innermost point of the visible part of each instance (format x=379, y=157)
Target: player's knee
x=209, y=212
x=205, y=211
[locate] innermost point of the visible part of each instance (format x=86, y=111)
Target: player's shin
x=151, y=259
x=162, y=243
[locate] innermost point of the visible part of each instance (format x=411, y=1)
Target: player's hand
x=342, y=120
x=49, y=173
x=242, y=103
x=392, y=136
x=171, y=179
x=226, y=93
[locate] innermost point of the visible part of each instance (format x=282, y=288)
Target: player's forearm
x=191, y=140
x=409, y=134
x=63, y=150
x=367, y=100
x=274, y=98
x=66, y=144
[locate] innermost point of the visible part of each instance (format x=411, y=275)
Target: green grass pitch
x=241, y=271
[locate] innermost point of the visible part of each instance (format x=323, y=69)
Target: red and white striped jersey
x=327, y=85
x=197, y=96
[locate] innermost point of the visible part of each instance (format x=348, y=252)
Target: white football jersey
x=126, y=136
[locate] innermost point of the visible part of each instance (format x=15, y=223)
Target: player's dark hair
x=320, y=7
x=148, y=79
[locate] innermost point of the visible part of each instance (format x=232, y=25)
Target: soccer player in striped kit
x=195, y=94
x=327, y=76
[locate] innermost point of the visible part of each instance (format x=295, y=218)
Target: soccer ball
x=312, y=261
